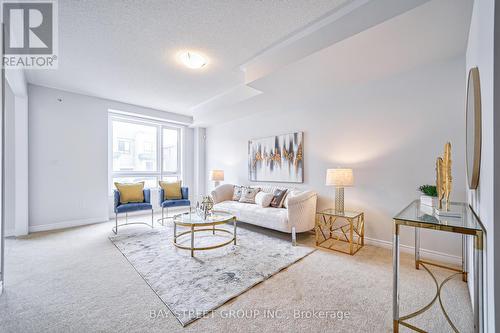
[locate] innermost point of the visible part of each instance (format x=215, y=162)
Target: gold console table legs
x=478, y=260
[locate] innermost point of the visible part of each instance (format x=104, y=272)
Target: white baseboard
x=9, y=233
x=67, y=224
x=424, y=253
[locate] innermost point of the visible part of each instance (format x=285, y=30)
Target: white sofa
x=297, y=216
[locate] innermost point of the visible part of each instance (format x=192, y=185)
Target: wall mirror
x=473, y=127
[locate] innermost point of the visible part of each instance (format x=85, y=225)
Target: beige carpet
x=76, y=281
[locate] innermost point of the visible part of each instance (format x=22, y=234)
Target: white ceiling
x=428, y=34
x=125, y=50
x=262, y=54
x=433, y=32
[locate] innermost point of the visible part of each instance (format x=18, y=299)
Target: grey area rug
x=192, y=287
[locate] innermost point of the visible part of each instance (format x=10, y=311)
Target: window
x=148, y=147
x=170, y=150
x=123, y=146
x=130, y=141
x=144, y=150
x=148, y=181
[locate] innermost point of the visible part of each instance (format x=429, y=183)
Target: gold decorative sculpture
x=439, y=181
x=206, y=207
x=443, y=177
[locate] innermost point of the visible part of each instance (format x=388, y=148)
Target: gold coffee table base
x=196, y=224
x=192, y=249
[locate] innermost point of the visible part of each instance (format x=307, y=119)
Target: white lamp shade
x=217, y=175
x=339, y=177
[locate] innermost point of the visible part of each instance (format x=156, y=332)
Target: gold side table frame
x=333, y=229
x=468, y=225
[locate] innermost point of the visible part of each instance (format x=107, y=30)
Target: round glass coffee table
x=196, y=223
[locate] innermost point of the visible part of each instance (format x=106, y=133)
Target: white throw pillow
x=263, y=199
x=248, y=194
x=288, y=195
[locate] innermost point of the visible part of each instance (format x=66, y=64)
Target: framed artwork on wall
x=473, y=128
x=278, y=158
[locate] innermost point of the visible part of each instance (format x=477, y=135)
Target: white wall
x=200, y=171
x=21, y=165
x=68, y=156
x=389, y=131
x=480, y=53
x=17, y=152
x=9, y=162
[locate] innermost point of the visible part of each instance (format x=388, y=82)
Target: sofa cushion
x=237, y=192
x=289, y=194
x=176, y=203
x=278, y=198
x=171, y=190
x=130, y=192
x=132, y=207
x=274, y=218
x=263, y=199
x=248, y=194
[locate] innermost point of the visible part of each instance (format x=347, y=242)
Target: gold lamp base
x=339, y=200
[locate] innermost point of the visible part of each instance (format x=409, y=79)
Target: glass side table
x=343, y=232
x=464, y=222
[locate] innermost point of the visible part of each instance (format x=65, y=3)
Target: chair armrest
x=161, y=196
x=302, y=211
x=185, y=192
x=222, y=192
x=116, y=199
x=147, y=195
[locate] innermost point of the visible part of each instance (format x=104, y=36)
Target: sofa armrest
x=222, y=192
x=302, y=211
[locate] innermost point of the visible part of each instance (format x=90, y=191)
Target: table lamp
x=217, y=176
x=339, y=178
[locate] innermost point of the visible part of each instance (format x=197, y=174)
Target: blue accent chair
x=120, y=208
x=166, y=204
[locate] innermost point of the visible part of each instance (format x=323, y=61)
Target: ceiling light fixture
x=193, y=60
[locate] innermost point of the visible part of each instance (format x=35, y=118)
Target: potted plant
x=429, y=192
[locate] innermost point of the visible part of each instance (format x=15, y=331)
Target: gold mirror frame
x=473, y=91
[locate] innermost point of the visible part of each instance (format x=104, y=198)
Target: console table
x=465, y=223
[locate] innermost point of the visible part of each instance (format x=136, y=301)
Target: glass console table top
x=417, y=214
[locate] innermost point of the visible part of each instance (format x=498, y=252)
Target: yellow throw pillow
x=130, y=192
x=172, y=191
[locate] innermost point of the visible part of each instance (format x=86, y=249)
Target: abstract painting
x=277, y=158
